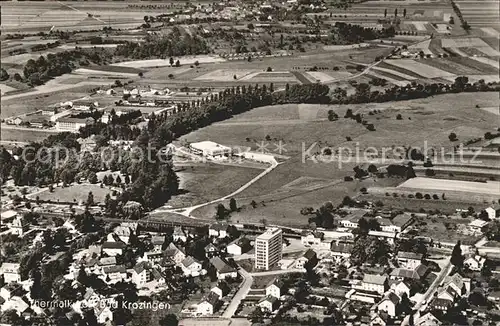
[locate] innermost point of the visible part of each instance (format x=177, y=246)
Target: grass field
x=202, y=183
x=76, y=193
x=300, y=126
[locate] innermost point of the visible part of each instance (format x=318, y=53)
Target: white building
x=275, y=288
x=72, y=124
x=409, y=260
x=10, y=272
x=388, y=303
x=210, y=149
x=268, y=248
x=375, y=283
x=475, y=263
x=218, y=230
x=208, y=305
x=191, y=267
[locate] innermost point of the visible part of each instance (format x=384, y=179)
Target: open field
x=420, y=67
x=186, y=60
x=76, y=193
x=202, y=183
x=299, y=182
x=490, y=187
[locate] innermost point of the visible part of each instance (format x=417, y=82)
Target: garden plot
x=490, y=52
x=420, y=68
x=320, y=76
x=389, y=79
x=452, y=67
x=420, y=26
x=490, y=31
x=422, y=46
x=227, y=74
x=394, y=72
x=490, y=187
x=463, y=42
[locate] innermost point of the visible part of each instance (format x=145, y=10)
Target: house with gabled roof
x=311, y=238
x=474, y=262
x=218, y=230
x=221, y=289
x=417, y=273
x=141, y=273
x=157, y=242
x=309, y=257
x=341, y=250
x=208, y=305
x=113, y=248
x=400, y=287
x=428, y=320
x=113, y=274
x=388, y=303
x=10, y=272
x=269, y=303
x=174, y=253
x=223, y=269
x=275, y=288
x=179, y=234
x=191, y=266
x=211, y=250
x=409, y=260
x=375, y=283
x=239, y=246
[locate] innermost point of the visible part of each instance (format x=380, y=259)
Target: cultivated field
x=185, y=60
x=490, y=187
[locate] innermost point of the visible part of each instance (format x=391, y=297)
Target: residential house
x=223, y=269
x=448, y=293
x=388, y=303
x=400, y=287
x=239, y=246
x=308, y=258
x=10, y=272
x=158, y=276
x=211, y=250
x=19, y=226
x=103, y=314
x=10, y=290
x=428, y=320
x=153, y=256
x=191, y=267
x=141, y=274
x=113, y=248
x=379, y=319
x=208, y=305
x=397, y=224
x=477, y=226
x=221, y=289
x=493, y=211
x=409, y=260
x=276, y=288
x=341, y=250
x=174, y=253
x=179, y=234
x=114, y=274
x=218, y=230
x=124, y=232
x=475, y=263
x=440, y=304
x=269, y=303
x=383, y=235
x=375, y=283
x=460, y=284
x=417, y=273
x=18, y=304
x=310, y=238
x=157, y=242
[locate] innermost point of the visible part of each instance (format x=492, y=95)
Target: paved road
x=279, y=272
x=240, y=295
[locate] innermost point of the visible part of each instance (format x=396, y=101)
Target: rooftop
x=208, y=145
x=374, y=279
x=270, y=233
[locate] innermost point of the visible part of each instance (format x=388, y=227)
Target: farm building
x=210, y=149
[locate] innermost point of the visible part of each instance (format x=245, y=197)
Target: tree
x=171, y=61
x=332, y=116
x=177, y=63
x=93, y=178
x=396, y=12
x=452, y=136
x=3, y=74
x=140, y=74
x=269, y=69
x=385, y=12
x=250, y=26
x=169, y=320
x=404, y=12
x=221, y=212
x=253, y=204
x=456, y=256
x=196, y=63
x=90, y=199
x=232, y=205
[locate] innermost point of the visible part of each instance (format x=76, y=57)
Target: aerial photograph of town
x=250, y=162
